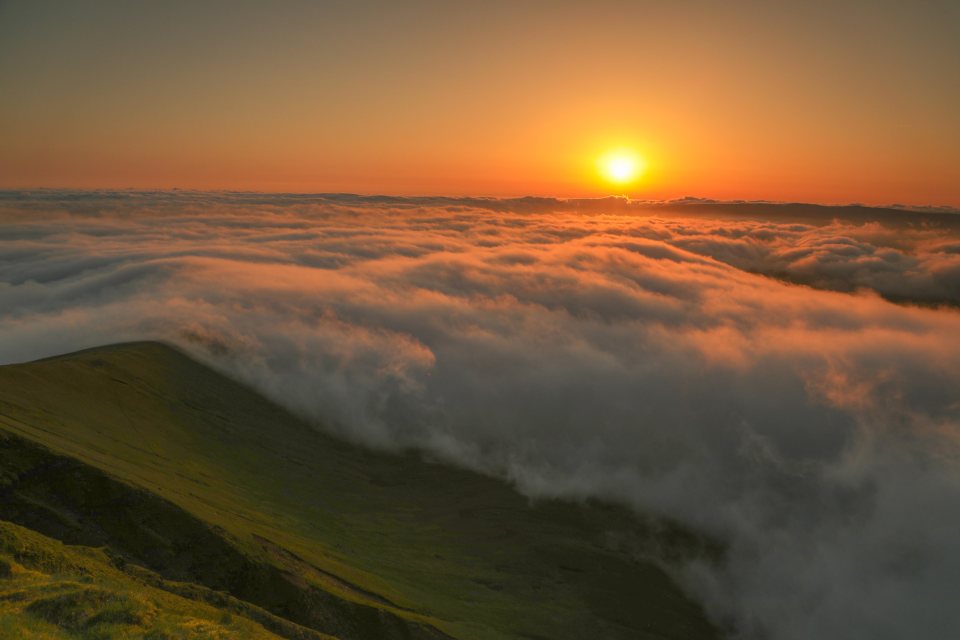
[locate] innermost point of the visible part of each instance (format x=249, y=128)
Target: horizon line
x=625, y=199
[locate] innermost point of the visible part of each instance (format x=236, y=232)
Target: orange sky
x=813, y=102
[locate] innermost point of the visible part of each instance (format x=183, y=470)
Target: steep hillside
x=196, y=487
x=51, y=590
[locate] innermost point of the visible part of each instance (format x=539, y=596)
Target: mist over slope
x=657, y=355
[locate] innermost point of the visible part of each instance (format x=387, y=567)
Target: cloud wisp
x=666, y=360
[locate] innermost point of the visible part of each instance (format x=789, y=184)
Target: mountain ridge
x=363, y=542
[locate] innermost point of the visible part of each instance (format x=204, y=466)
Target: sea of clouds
x=784, y=378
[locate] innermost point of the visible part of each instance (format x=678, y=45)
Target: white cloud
x=629, y=356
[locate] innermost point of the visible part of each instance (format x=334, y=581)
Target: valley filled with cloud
x=784, y=379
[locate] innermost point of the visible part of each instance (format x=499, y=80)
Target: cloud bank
x=740, y=369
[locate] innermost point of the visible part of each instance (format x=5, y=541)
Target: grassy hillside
x=51, y=590
x=169, y=466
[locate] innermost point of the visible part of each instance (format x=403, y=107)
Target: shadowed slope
x=51, y=590
x=421, y=544
x=79, y=504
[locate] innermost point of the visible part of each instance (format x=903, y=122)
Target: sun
x=621, y=167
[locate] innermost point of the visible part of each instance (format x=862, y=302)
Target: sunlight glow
x=621, y=167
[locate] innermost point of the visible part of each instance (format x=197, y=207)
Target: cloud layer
x=660, y=356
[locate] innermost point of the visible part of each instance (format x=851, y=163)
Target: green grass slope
x=151, y=538
x=228, y=501
x=49, y=590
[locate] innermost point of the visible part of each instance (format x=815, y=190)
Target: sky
x=815, y=101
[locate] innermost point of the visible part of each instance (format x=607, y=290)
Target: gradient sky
x=815, y=101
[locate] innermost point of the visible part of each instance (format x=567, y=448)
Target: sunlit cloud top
x=782, y=377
